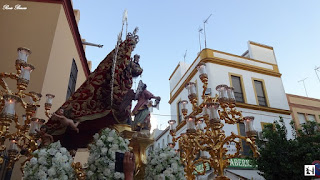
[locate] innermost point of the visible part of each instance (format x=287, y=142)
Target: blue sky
x=170, y=27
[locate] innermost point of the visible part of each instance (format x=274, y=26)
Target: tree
x=282, y=158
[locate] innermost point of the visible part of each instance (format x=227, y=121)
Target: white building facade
x=257, y=85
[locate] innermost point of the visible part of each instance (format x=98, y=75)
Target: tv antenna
x=316, y=69
x=200, y=32
x=204, y=30
x=304, y=85
x=184, y=56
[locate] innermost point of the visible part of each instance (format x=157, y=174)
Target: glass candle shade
x=191, y=123
x=200, y=124
x=171, y=124
x=9, y=104
x=248, y=122
x=23, y=54
x=223, y=94
x=205, y=110
x=184, y=109
x=35, y=125
x=49, y=99
x=213, y=112
x=13, y=145
x=191, y=87
x=230, y=91
x=202, y=70
x=26, y=70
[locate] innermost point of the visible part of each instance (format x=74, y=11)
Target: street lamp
x=22, y=140
x=212, y=137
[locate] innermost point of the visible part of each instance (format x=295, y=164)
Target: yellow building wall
x=44, y=29
x=32, y=28
x=63, y=51
x=300, y=104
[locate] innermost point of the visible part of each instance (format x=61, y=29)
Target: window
x=311, y=117
x=168, y=139
x=162, y=143
x=245, y=147
x=158, y=145
x=236, y=84
x=302, y=118
x=72, y=79
x=262, y=101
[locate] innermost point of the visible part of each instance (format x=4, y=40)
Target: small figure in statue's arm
x=64, y=120
x=136, y=69
x=141, y=111
x=46, y=139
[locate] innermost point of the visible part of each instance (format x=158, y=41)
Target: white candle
x=9, y=106
x=25, y=72
x=191, y=123
x=23, y=54
x=13, y=145
x=49, y=98
x=34, y=126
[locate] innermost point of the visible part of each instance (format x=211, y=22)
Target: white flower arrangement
x=101, y=161
x=164, y=164
x=52, y=162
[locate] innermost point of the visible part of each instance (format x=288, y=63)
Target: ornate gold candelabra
x=210, y=138
x=18, y=132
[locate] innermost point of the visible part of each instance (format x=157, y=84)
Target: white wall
x=183, y=67
x=261, y=53
x=163, y=138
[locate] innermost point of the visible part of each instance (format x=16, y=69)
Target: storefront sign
x=241, y=163
x=200, y=168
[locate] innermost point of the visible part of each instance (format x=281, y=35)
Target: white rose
x=64, y=177
x=52, y=171
x=110, y=139
x=63, y=150
x=112, y=165
x=33, y=161
x=100, y=143
x=103, y=137
x=43, y=152
x=104, y=151
x=89, y=173
x=42, y=174
x=96, y=136
x=58, y=155
x=43, y=161
x=117, y=175
x=163, y=155
x=154, y=162
x=106, y=172
x=92, y=167
x=52, y=151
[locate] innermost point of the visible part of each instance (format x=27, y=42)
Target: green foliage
x=281, y=158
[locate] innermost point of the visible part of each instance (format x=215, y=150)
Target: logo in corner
x=309, y=170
